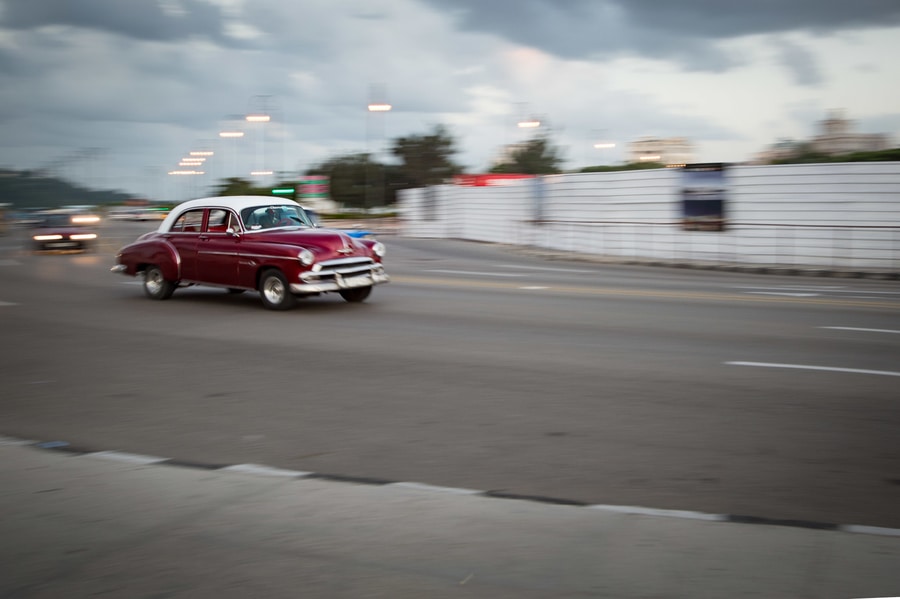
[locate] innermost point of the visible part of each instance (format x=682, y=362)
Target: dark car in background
x=64, y=230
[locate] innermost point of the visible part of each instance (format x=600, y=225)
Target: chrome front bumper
x=119, y=268
x=313, y=282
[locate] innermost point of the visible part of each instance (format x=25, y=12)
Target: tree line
x=358, y=180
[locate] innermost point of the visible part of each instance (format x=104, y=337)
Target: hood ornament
x=347, y=248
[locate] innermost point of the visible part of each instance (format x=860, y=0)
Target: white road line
x=533, y=288
x=644, y=511
x=2, y=304
x=808, y=367
x=265, y=470
x=787, y=293
x=436, y=488
x=872, y=530
x=472, y=272
x=545, y=268
x=10, y=263
x=4, y=440
x=122, y=456
x=860, y=329
x=818, y=289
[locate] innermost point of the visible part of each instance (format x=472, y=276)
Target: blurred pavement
x=79, y=525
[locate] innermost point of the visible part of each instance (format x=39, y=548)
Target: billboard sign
x=704, y=191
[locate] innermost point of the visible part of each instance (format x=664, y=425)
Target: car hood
x=324, y=241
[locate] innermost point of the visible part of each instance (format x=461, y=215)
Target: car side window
x=216, y=222
x=234, y=223
x=189, y=222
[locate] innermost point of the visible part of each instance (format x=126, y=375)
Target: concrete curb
x=269, y=471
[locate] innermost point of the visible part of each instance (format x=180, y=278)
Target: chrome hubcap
x=153, y=280
x=274, y=291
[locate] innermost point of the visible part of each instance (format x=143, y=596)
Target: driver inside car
x=269, y=219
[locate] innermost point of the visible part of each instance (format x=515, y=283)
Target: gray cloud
x=686, y=31
x=139, y=20
x=799, y=62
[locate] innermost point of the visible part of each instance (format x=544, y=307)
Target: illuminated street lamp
x=529, y=124
x=375, y=105
x=261, y=112
x=233, y=131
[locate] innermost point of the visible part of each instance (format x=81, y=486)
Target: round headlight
x=306, y=257
x=378, y=249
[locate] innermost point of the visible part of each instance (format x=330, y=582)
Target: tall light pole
x=233, y=131
x=260, y=113
x=601, y=142
x=376, y=108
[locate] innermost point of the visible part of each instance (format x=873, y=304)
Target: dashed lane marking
x=810, y=367
x=861, y=329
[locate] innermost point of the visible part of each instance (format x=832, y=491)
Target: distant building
x=837, y=137
x=780, y=150
x=670, y=151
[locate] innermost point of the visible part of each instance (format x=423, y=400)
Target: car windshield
x=61, y=220
x=278, y=215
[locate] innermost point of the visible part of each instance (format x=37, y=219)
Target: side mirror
x=231, y=231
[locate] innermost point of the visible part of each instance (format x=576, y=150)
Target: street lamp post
x=601, y=143
x=262, y=115
x=234, y=132
x=375, y=107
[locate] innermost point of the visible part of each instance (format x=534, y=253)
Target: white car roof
x=236, y=203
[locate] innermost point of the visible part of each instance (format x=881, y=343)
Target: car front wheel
x=357, y=294
x=155, y=284
x=275, y=291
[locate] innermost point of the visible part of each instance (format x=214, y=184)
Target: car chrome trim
x=340, y=282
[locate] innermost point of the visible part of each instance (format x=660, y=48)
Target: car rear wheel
x=275, y=291
x=357, y=294
x=155, y=284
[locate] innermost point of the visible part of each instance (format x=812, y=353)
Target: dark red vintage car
x=257, y=243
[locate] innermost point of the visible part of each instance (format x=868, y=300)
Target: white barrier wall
x=844, y=215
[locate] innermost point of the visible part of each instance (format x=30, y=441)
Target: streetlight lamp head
x=258, y=118
x=379, y=107
x=531, y=124
x=231, y=134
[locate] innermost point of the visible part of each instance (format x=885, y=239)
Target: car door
x=217, y=250
x=184, y=235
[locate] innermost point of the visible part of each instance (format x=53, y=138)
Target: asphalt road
x=481, y=367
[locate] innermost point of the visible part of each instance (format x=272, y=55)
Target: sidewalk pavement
x=111, y=524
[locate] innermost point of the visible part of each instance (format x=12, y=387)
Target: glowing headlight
x=47, y=237
x=306, y=257
x=378, y=249
x=81, y=236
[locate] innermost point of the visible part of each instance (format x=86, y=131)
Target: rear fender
x=162, y=254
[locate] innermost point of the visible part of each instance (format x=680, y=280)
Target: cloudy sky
x=112, y=93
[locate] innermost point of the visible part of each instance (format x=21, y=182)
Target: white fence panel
x=821, y=215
